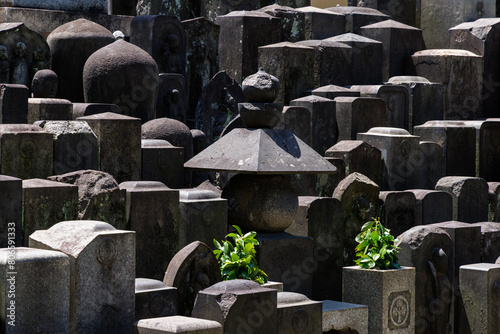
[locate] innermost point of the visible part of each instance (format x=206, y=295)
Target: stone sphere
x=123, y=74
x=44, y=84
x=171, y=130
x=263, y=203
x=71, y=44
x=260, y=87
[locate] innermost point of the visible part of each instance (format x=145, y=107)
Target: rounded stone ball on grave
x=70, y=46
x=44, y=84
x=171, y=130
x=263, y=203
x=260, y=87
x=123, y=74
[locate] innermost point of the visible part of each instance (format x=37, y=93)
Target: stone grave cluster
x=135, y=132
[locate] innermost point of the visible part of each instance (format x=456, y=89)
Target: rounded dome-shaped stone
x=171, y=130
x=261, y=87
x=264, y=203
x=71, y=44
x=44, y=84
x=123, y=74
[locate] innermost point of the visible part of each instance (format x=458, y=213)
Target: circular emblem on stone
x=106, y=251
x=399, y=311
x=208, y=214
x=26, y=148
x=405, y=148
x=368, y=51
x=156, y=304
x=300, y=321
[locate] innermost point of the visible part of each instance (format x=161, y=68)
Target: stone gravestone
x=239, y=305
x=333, y=91
x=241, y=34
x=429, y=163
x=123, y=74
x=49, y=109
x=23, y=52
x=360, y=198
x=202, y=59
x=407, y=12
x=432, y=206
x=177, y=324
x=183, y=10
x=14, y=104
x=298, y=314
x=344, y=317
x=218, y=105
x=71, y=44
x=87, y=109
x=99, y=196
x=92, y=6
x=367, y=58
x=293, y=22
x=35, y=288
x=154, y=299
x=11, y=199
x=321, y=24
x=45, y=84
x=398, y=210
x=490, y=241
x=430, y=250
x=162, y=162
x=164, y=38
x=461, y=74
x=470, y=197
x=426, y=99
x=172, y=97
x=120, y=158
x=357, y=17
x=489, y=150
x=26, y=151
x=192, y=269
x=494, y=201
x=481, y=37
x=101, y=259
x=400, y=42
x=157, y=231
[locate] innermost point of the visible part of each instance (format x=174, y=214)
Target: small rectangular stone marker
x=177, y=324
x=154, y=299
x=49, y=109
x=298, y=314
x=358, y=114
x=344, y=316
x=432, y=206
x=162, y=162
x=14, y=104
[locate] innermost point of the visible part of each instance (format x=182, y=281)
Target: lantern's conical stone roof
x=261, y=151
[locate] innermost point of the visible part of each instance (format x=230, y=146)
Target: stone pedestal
x=162, y=162
x=14, y=104
x=11, y=199
x=35, y=291
x=120, y=158
x=298, y=314
x=154, y=299
x=177, y=324
x=389, y=295
x=359, y=114
x=339, y=316
x=102, y=259
x=49, y=109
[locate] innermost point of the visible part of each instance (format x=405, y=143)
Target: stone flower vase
x=389, y=295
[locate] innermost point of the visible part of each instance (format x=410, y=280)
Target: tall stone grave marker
x=357, y=17
x=11, y=210
x=321, y=24
x=359, y=114
x=489, y=150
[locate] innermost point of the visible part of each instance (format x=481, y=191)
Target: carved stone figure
x=4, y=65
x=40, y=61
x=19, y=65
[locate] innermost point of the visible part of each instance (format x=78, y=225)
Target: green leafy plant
x=376, y=247
x=238, y=260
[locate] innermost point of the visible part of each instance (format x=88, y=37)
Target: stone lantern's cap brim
x=261, y=151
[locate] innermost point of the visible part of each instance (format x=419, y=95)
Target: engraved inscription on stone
x=399, y=310
x=106, y=251
x=300, y=321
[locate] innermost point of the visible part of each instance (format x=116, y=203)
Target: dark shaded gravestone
x=430, y=250
x=172, y=97
x=49, y=109
x=22, y=53
x=297, y=313
x=432, y=206
x=41, y=277
x=426, y=102
x=489, y=150
x=193, y=268
x=298, y=120
x=407, y=12
x=358, y=114
x=429, y=163
x=14, y=104
x=479, y=284
x=400, y=42
x=11, y=199
x=465, y=238
x=398, y=210
x=123, y=74
x=321, y=24
x=75, y=146
x=26, y=151
x=321, y=218
x=494, y=201
x=87, y=109
x=461, y=74
x=239, y=305
x=458, y=139
x=44, y=84
x=490, y=241
x=295, y=70
x=397, y=101
x=154, y=299
x=163, y=38
x=324, y=130
x=202, y=60
x=120, y=158
x=157, y=231
x=101, y=259
x=481, y=37
x=470, y=197
x=93, y=6
x=333, y=91
x=344, y=318
x=218, y=105
x=71, y=44
x=359, y=157
x=293, y=22
x=399, y=170
x=183, y=10
x=332, y=62
x=357, y=17
x=163, y=162
x=367, y=58
x=99, y=196
x=360, y=197
x=241, y=34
